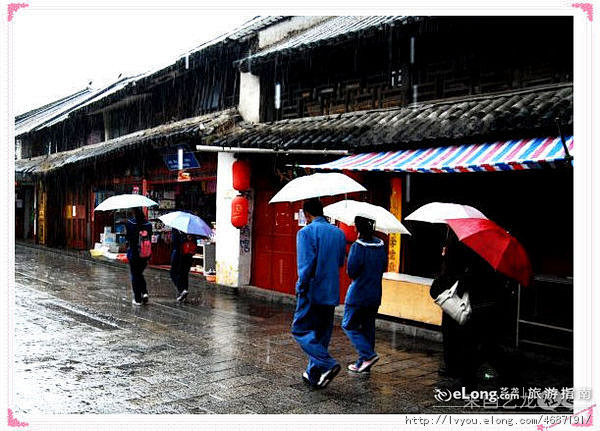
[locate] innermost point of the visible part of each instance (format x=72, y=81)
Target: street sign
x=180, y=159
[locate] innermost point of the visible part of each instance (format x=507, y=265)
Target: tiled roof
x=59, y=110
x=249, y=28
x=205, y=125
x=37, y=117
x=513, y=114
x=333, y=29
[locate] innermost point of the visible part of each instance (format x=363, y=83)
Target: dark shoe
x=305, y=378
x=182, y=296
x=145, y=298
x=448, y=372
x=328, y=376
x=312, y=379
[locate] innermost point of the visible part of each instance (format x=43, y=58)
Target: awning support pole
x=568, y=157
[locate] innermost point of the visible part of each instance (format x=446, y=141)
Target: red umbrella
x=495, y=245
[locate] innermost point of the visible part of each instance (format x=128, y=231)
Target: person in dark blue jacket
x=137, y=264
x=180, y=264
x=367, y=261
x=321, y=250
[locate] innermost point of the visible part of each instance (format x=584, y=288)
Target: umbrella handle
x=447, y=236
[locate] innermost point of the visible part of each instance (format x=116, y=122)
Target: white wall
x=245, y=268
x=277, y=32
x=228, y=237
x=249, y=105
x=234, y=246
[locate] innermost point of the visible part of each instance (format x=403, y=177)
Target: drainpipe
x=106, y=119
x=413, y=69
x=35, y=212
x=215, y=149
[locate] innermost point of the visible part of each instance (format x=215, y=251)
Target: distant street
x=81, y=347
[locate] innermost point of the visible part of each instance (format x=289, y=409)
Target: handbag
x=459, y=308
x=188, y=247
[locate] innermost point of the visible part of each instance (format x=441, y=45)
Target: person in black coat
x=467, y=346
x=181, y=263
x=135, y=224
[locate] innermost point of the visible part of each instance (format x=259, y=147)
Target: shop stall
x=191, y=189
x=188, y=186
x=526, y=189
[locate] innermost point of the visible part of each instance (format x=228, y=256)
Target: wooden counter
x=407, y=297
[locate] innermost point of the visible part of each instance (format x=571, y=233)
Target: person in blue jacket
x=321, y=250
x=137, y=264
x=367, y=261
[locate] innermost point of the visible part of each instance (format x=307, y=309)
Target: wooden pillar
x=396, y=209
x=144, y=193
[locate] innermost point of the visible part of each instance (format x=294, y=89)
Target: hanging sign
x=183, y=176
x=180, y=158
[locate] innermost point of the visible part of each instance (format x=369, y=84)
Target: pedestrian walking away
x=367, y=261
x=183, y=249
x=139, y=232
x=320, y=252
x=472, y=344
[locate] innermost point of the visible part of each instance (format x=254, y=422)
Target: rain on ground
x=81, y=347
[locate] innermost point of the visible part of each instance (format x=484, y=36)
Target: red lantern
x=239, y=211
x=349, y=232
x=241, y=175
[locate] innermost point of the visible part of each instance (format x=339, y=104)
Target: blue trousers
x=138, y=283
x=312, y=327
x=359, y=326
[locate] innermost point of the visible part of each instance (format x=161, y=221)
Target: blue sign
x=189, y=161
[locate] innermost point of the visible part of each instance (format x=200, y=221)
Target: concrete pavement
x=81, y=347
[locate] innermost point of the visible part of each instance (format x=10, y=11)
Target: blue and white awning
x=494, y=156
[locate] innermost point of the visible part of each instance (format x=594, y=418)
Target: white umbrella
x=346, y=210
x=317, y=185
x=125, y=201
x=439, y=212
x=186, y=222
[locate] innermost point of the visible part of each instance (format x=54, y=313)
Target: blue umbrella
x=186, y=222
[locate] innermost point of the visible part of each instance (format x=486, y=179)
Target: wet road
x=81, y=347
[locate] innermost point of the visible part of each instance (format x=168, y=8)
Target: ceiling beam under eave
x=119, y=104
x=225, y=149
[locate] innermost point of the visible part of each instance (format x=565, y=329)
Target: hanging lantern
x=349, y=232
x=239, y=211
x=241, y=175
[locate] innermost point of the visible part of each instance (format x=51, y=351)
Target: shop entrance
x=75, y=219
x=274, y=240
x=196, y=196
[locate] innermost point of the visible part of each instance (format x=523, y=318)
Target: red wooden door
x=274, y=242
x=274, y=254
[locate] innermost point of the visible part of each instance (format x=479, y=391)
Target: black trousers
x=138, y=283
x=467, y=346
x=180, y=272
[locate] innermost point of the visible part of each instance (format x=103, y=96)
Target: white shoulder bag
x=459, y=308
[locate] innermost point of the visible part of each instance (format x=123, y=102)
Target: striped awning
x=493, y=156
